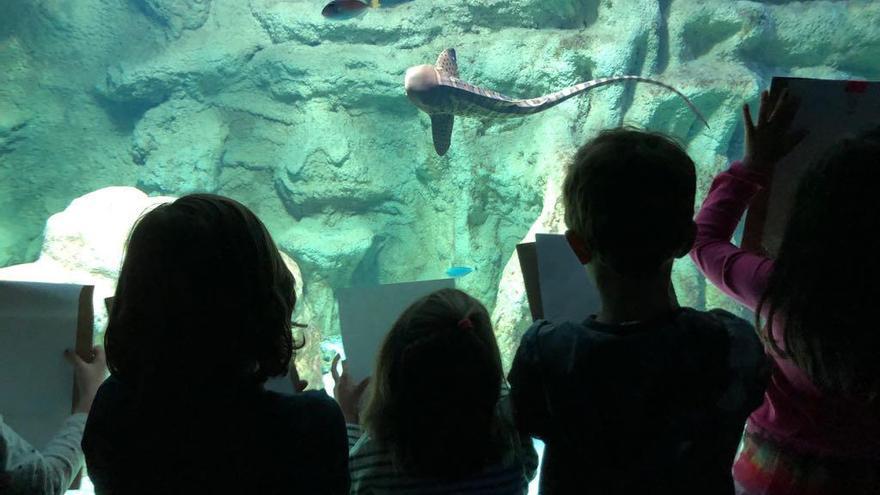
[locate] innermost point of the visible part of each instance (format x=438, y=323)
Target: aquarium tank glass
x=298, y=109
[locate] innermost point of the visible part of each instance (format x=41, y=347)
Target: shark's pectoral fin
x=447, y=63
x=441, y=128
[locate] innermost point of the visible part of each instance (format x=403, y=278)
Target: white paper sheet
x=567, y=291
x=527, y=256
x=38, y=322
x=829, y=110
x=366, y=314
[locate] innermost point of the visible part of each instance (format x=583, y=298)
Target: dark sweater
x=251, y=442
x=652, y=407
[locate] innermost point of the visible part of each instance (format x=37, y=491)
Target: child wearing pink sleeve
x=818, y=430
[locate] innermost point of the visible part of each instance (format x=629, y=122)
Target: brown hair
x=204, y=299
x=629, y=194
x=436, y=386
x=824, y=288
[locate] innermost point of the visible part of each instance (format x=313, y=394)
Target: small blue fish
x=459, y=271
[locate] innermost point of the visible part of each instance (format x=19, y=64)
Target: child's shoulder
x=367, y=446
x=748, y=367
x=546, y=329
x=738, y=329
x=557, y=342
x=311, y=418
x=726, y=318
x=312, y=402
x=719, y=327
x=711, y=325
x=370, y=460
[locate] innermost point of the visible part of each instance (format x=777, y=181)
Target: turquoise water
x=305, y=120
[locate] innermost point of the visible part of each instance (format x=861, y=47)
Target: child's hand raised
x=770, y=138
x=346, y=393
x=88, y=376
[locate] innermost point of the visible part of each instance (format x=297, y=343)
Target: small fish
x=347, y=9
x=459, y=271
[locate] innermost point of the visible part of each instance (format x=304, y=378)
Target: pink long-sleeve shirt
x=795, y=413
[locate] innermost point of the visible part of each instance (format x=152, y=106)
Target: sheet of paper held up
x=38, y=322
x=829, y=111
x=567, y=291
x=366, y=314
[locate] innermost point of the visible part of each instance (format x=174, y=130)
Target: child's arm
x=739, y=273
x=50, y=471
x=348, y=394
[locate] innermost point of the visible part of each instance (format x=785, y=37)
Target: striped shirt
x=373, y=471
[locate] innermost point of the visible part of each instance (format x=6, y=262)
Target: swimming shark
x=438, y=91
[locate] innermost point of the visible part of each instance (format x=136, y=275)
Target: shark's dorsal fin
x=447, y=64
x=441, y=128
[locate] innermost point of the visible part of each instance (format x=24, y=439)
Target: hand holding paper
x=88, y=377
x=347, y=393
x=832, y=110
x=38, y=321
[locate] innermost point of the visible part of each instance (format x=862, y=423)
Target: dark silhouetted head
x=629, y=196
x=436, y=387
x=204, y=300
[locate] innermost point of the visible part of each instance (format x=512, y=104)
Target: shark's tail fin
x=535, y=105
x=441, y=128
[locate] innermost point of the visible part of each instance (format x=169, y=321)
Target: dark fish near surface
x=346, y=9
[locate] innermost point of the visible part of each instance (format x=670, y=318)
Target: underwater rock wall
x=305, y=120
x=84, y=244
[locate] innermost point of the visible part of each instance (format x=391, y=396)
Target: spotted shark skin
x=438, y=91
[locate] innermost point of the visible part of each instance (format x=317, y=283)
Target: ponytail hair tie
x=465, y=323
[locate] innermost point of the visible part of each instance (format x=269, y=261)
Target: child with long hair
x=201, y=318
x=437, y=417
x=645, y=396
x=818, y=430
